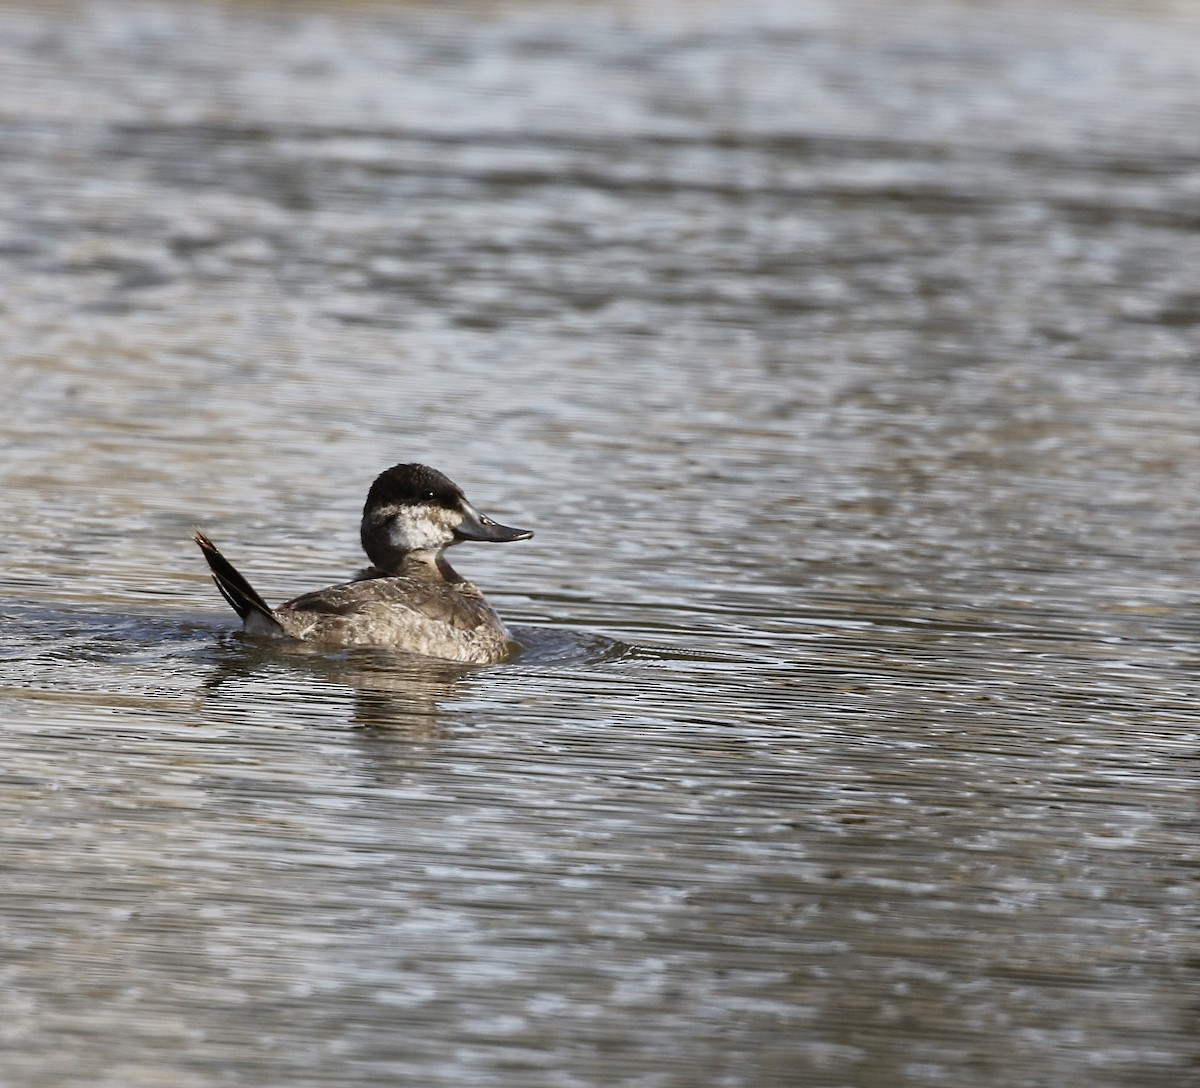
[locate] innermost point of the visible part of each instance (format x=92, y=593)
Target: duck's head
x=413, y=512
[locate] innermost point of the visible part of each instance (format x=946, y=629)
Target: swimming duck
x=410, y=598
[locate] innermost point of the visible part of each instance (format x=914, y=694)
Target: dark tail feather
x=257, y=616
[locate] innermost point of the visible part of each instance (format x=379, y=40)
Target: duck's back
x=438, y=619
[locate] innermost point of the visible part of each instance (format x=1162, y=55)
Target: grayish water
x=844, y=358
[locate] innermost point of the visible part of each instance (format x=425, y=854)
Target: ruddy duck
x=410, y=598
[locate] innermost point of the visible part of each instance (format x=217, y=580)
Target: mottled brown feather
x=459, y=604
x=450, y=620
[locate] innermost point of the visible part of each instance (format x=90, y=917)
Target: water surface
x=843, y=358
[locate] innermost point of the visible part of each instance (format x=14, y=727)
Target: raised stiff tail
x=257, y=616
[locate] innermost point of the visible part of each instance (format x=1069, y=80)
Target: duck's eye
x=428, y=496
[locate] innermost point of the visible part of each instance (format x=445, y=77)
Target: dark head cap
x=408, y=485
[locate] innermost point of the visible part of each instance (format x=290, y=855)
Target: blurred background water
x=843, y=357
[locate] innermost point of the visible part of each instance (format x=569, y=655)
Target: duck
x=409, y=598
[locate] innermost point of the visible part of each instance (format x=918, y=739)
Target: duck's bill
x=477, y=526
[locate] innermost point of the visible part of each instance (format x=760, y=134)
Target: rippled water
x=843, y=357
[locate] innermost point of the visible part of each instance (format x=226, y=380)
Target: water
x=842, y=356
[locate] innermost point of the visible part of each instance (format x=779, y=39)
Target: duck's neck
x=430, y=566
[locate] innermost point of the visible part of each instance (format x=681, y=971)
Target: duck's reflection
x=386, y=690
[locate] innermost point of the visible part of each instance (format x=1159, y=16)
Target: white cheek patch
x=417, y=530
